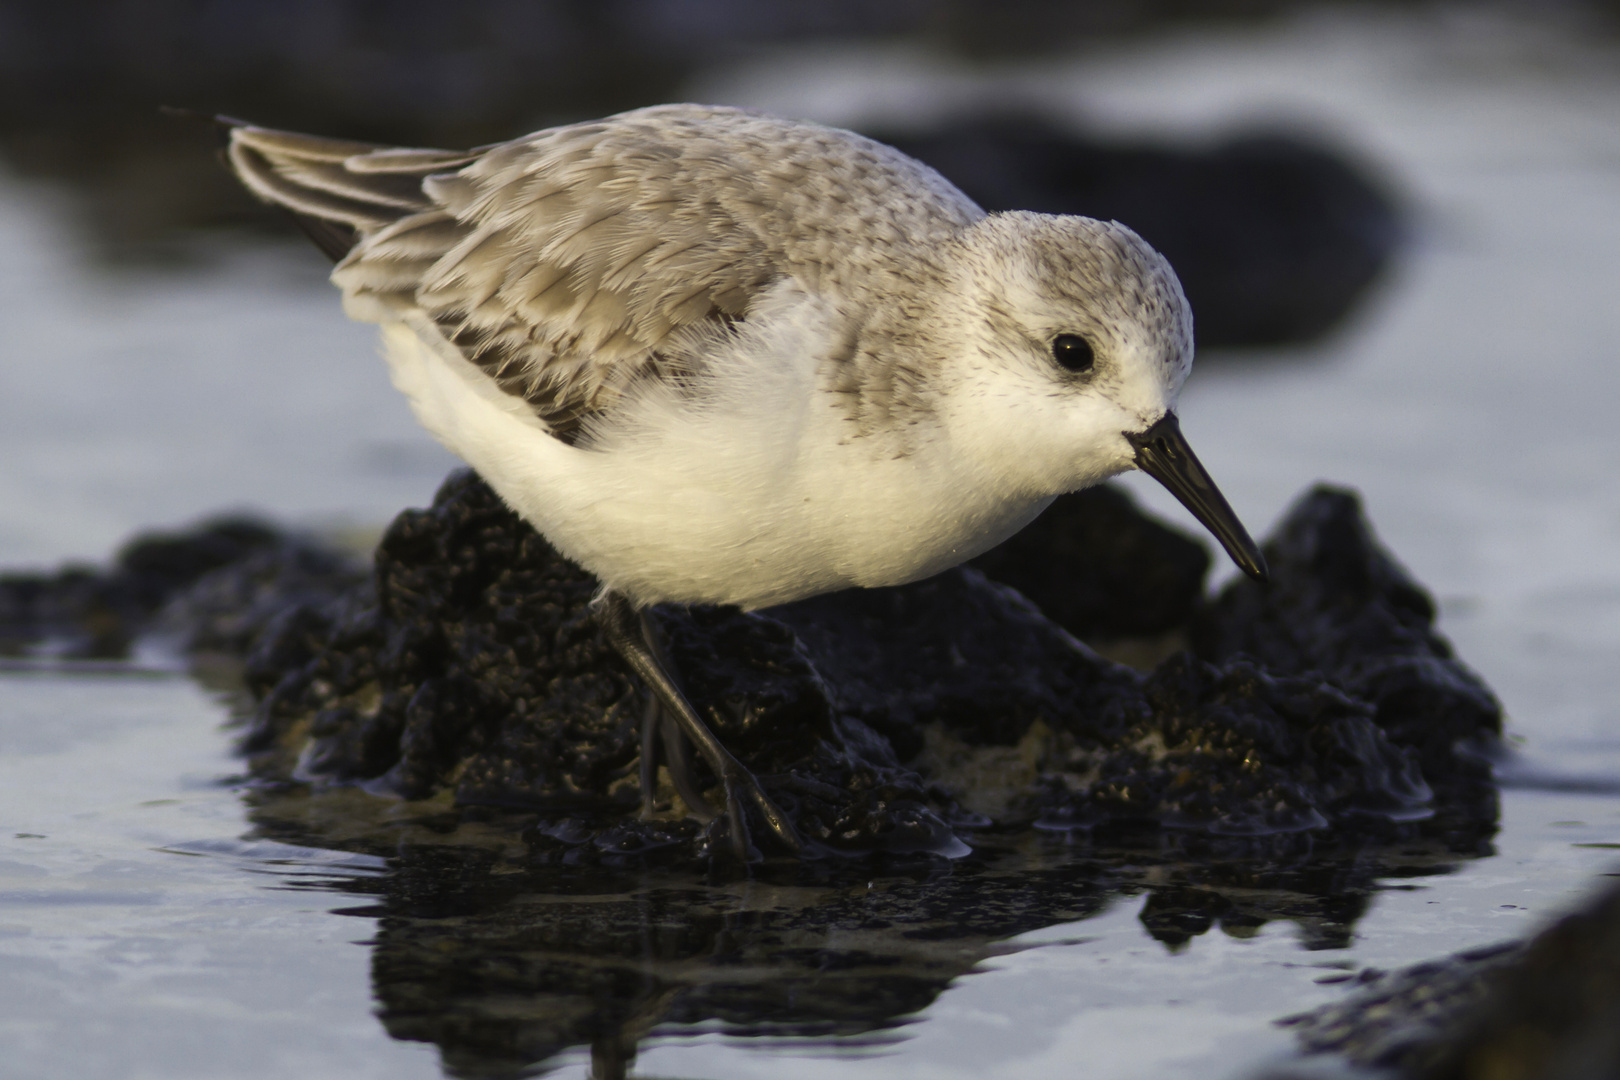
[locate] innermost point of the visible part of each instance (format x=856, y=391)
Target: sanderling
x=719, y=357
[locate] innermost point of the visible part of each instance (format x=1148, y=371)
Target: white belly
x=753, y=496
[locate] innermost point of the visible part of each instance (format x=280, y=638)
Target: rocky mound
x=884, y=720
x=887, y=719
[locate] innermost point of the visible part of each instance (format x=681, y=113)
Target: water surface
x=157, y=919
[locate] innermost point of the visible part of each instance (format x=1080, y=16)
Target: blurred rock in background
x=1275, y=239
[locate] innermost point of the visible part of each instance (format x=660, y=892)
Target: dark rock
x=469, y=663
x=1545, y=1010
x=869, y=715
x=1275, y=238
x=230, y=608
x=1404, y=1016
x=480, y=667
x=79, y=613
x=959, y=651
x=1103, y=570
x=1340, y=607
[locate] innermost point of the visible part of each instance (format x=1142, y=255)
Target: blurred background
x=82, y=82
x=168, y=355
x=1397, y=223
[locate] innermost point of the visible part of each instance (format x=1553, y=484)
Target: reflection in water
x=504, y=962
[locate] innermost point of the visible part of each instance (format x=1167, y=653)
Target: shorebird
x=718, y=357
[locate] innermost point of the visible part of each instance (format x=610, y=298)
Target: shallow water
x=148, y=926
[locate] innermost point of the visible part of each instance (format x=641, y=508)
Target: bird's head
x=1080, y=340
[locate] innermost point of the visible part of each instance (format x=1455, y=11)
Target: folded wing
x=565, y=264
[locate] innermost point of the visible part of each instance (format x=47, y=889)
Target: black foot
x=629, y=635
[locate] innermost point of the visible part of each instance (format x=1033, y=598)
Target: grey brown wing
x=560, y=264
x=568, y=264
x=575, y=259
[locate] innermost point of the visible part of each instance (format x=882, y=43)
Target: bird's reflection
x=504, y=960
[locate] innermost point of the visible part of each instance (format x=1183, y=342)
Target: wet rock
x=478, y=667
x=1340, y=607
x=227, y=610
x=960, y=652
x=467, y=666
x=1399, y=1017
x=1275, y=238
x=82, y=613
x=874, y=717
x=1103, y=570
x=1548, y=1009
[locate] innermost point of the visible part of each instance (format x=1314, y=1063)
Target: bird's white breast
x=754, y=489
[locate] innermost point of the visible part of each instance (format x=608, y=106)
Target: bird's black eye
x=1073, y=353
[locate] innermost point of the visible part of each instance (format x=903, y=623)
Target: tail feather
x=338, y=190
x=412, y=162
x=294, y=145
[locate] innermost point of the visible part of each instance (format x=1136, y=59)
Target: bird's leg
x=650, y=714
x=656, y=720
x=627, y=634
x=678, y=754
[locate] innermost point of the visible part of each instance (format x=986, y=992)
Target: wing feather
x=568, y=263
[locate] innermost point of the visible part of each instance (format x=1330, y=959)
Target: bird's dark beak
x=1162, y=452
